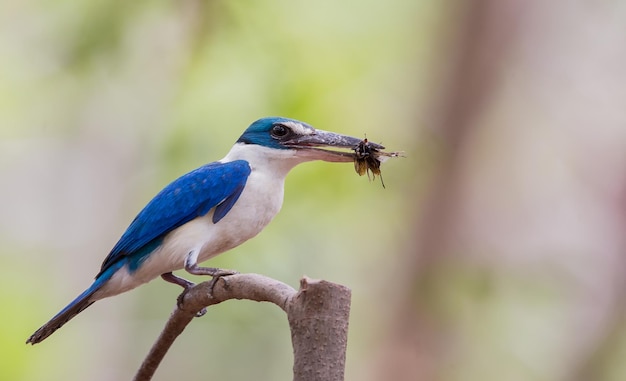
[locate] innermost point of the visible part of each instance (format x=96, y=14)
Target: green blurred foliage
x=104, y=102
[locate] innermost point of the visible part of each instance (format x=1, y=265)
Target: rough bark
x=318, y=317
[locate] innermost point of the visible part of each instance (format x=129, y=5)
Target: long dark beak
x=311, y=144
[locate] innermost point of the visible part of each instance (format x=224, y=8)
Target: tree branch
x=318, y=317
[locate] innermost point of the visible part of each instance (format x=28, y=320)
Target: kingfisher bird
x=207, y=211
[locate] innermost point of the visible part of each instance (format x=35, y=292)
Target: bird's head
x=300, y=140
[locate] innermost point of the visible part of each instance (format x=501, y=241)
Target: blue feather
x=258, y=132
x=136, y=259
x=224, y=207
x=186, y=198
x=75, y=307
x=216, y=185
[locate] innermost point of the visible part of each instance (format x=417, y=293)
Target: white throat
x=276, y=162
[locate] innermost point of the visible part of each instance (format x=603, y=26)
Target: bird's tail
x=77, y=305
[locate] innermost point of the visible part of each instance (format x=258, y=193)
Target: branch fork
x=318, y=318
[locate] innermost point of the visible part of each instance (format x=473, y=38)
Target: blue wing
x=216, y=185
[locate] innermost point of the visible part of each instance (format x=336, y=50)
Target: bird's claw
x=212, y=282
x=217, y=276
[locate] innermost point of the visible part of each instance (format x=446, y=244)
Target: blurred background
x=497, y=250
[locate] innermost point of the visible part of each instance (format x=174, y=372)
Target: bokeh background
x=496, y=252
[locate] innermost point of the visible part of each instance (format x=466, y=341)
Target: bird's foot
x=210, y=271
x=215, y=273
x=184, y=283
x=217, y=276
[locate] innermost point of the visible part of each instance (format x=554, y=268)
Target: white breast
x=259, y=202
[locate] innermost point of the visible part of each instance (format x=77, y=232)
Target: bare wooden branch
x=318, y=317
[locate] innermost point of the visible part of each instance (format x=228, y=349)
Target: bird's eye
x=279, y=131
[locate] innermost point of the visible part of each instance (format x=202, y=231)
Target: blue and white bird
x=207, y=211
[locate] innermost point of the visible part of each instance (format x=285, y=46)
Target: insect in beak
x=367, y=159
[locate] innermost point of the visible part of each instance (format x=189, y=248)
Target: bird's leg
x=184, y=283
x=191, y=266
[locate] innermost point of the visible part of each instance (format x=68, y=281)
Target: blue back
x=215, y=185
